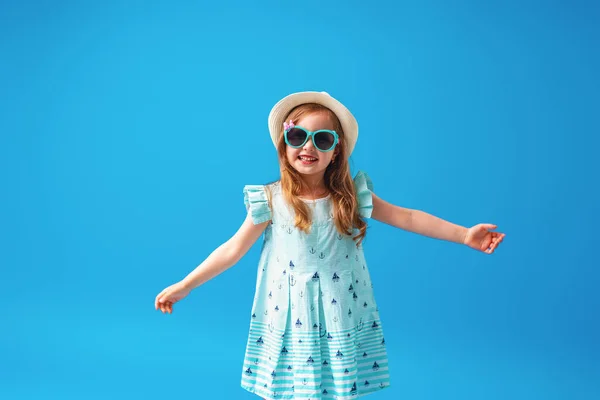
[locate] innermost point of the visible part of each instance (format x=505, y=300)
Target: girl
x=315, y=330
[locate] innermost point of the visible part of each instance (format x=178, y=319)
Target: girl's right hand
x=170, y=296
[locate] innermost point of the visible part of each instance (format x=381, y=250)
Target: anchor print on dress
x=292, y=280
x=360, y=325
x=312, y=250
x=321, y=256
x=339, y=236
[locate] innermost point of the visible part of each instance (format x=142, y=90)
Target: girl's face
x=307, y=159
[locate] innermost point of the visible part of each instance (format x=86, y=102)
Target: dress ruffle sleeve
x=256, y=201
x=364, y=188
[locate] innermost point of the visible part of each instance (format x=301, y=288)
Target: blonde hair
x=337, y=180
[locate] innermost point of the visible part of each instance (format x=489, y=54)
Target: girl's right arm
x=221, y=259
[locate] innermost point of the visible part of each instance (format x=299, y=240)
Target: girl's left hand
x=479, y=237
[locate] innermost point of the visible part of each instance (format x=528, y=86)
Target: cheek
x=292, y=154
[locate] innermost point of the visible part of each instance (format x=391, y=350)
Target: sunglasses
x=323, y=139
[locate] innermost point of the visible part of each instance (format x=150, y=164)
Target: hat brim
x=280, y=111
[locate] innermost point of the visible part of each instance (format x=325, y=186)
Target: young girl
x=315, y=330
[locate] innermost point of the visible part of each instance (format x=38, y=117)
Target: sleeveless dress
x=315, y=331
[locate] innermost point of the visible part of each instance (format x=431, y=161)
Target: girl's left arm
x=477, y=237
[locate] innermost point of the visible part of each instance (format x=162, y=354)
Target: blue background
x=128, y=130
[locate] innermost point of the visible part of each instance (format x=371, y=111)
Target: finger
x=158, y=297
x=489, y=226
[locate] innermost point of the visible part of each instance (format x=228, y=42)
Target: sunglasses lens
x=296, y=137
x=324, y=140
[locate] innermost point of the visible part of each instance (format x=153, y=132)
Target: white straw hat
x=284, y=106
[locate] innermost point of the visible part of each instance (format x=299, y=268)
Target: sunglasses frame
x=311, y=135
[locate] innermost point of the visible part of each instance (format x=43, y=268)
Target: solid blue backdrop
x=128, y=130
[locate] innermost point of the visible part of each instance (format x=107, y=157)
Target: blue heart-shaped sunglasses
x=323, y=139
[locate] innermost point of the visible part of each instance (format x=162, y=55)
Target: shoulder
x=363, y=187
x=258, y=200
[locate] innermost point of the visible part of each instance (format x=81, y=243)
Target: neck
x=314, y=184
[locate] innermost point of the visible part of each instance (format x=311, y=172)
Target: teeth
x=307, y=158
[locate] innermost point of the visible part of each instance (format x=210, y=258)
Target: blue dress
x=315, y=331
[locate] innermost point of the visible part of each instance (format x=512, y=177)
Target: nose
x=308, y=146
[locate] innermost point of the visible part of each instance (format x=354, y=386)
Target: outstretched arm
x=227, y=254
x=222, y=258
x=477, y=237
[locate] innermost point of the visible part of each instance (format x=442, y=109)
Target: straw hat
x=285, y=105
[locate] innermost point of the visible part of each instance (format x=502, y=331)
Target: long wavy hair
x=337, y=180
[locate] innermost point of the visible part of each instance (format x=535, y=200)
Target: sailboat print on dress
x=315, y=277
x=375, y=366
x=353, y=390
x=335, y=278
x=298, y=323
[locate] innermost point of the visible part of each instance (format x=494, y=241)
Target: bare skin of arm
x=478, y=237
x=222, y=258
